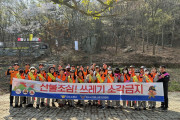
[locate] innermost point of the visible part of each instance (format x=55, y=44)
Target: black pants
x=11, y=97
x=165, y=103
x=24, y=100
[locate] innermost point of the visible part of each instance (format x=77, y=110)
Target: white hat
x=32, y=68
x=67, y=67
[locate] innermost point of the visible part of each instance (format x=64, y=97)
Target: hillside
x=169, y=56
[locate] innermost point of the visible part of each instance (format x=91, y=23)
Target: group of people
x=90, y=74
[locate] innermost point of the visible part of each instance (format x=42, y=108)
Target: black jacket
x=165, y=79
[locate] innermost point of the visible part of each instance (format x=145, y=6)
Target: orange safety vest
x=13, y=74
x=29, y=77
x=49, y=78
x=62, y=77
x=154, y=74
x=139, y=79
x=85, y=73
x=81, y=79
x=102, y=77
x=44, y=75
x=109, y=80
x=106, y=71
x=72, y=78
x=26, y=71
x=150, y=78
x=76, y=71
x=126, y=77
x=90, y=79
x=132, y=74
x=22, y=76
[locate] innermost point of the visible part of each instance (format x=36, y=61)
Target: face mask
x=109, y=72
x=137, y=74
x=146, y=72
x=125, y=71
x=32, y=70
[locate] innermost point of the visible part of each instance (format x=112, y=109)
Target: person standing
x=12, y=73
x=80, y=79
x=164, y=78
x=117, y=75
x=100, y=78
x=91, y=78
x=19, y=75
x=41, y=76
x=152, y=104
x=110, y=79
x=51, y=77
x=147, y=78
x=71, y=79
x=62, y=77
x=138, y=79
x=26, y=71
x=31, y=76
x=125, y=78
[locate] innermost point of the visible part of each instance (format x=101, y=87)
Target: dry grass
x=174, y=79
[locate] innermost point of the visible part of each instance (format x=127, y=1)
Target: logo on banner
x=63, y=96
x=152, y=92
x=25, y=91
x=82, y=97
x=32, y=92
x=18, y=91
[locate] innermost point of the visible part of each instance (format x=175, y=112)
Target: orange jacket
x=12, y=73
x=62, y=77
x=126, y=77
x=49, y=79
x=109, y=81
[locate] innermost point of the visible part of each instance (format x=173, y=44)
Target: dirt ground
x=89, y=112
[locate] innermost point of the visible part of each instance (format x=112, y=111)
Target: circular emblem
x=18, y=91
x=25, y=91
x=32, y=92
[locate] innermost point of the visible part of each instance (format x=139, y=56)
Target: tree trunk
x=135, y=40
x=154, y=45
x=172, y=39
x=162, y=37
x=147, y=37
x=142, y=38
